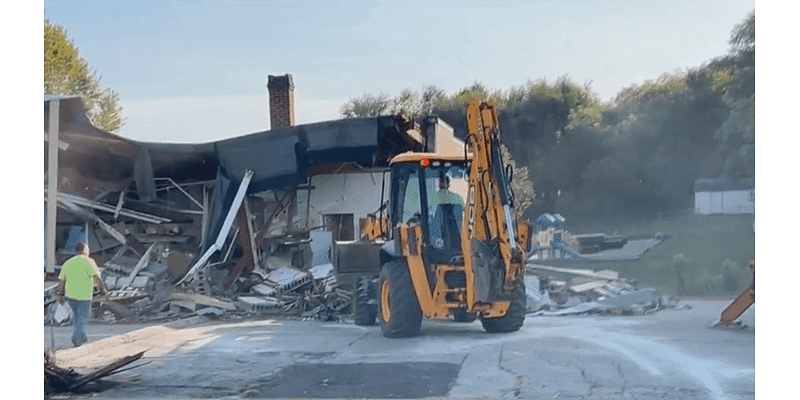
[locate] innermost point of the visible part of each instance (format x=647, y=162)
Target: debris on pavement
x=61, y=380
x=587, y=291
x=633, y=303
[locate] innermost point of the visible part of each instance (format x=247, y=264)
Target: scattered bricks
x=251, y=304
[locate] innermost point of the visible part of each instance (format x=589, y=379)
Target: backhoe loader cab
x=431, y=194
x=450, y=250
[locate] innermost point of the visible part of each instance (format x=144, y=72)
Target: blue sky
x=191, y=71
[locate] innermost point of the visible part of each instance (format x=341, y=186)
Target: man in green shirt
x=444, y=195
x=76, y=282
x=445, y=225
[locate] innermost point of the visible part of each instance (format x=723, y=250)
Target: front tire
x=365, y=305
x=515, y=315
x=399, y=312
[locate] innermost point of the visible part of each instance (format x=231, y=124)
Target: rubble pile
x=155, y=267
x=588, y=292
x=150, y=295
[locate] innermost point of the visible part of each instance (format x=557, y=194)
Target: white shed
x=724, y=196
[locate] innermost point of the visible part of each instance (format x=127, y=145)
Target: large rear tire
x=365, y=302
x=399, y=312
x=515, y=315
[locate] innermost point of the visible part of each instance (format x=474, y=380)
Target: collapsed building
x=224, y=216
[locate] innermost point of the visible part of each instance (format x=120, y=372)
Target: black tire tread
x=406, y=315
x=365, y=313
x=515, y=316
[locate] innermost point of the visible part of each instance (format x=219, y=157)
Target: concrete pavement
x=669, y=354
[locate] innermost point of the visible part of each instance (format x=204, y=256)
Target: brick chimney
x=281, y=100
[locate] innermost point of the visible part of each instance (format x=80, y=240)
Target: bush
x=730, y=276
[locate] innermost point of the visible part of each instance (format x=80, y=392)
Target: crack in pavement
x=591, y=382
x=519, y=380
x=622, y=375
x=358, y=338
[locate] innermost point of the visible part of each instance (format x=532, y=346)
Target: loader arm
x=487, y=211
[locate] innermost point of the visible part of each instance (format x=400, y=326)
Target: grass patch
x=707, y=242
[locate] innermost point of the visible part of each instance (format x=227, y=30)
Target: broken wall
x=352, y=195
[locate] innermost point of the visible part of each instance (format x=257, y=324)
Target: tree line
x=636, y=155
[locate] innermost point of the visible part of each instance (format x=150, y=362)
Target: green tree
x=367, y=105
x=743, y=40
x=735, y=152
x=737, y=140
x=521, y=184
x=66, y=73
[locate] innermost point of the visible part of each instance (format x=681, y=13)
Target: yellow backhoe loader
x=451, y=249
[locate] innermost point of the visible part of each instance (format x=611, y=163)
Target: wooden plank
x=610, y=274
x=119, y=310
x=605, y=274
x=250, y=232
x=145, y=260
x=203, y=300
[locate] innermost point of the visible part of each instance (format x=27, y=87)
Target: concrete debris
x=537, y=299
x=583, y=291
x=264, y=290
x=633, y=303
x=288, y=278
x=321, y=271
x=255, y=304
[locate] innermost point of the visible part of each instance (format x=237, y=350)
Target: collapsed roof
x=93, y=159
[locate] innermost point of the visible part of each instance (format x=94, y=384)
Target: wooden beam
x=52, y=185
x=245, y=240
x=204, y=221
x=250, y=232
x=144, y=261
x=604, y=274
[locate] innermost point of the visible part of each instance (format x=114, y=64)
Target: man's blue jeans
x=80, y=309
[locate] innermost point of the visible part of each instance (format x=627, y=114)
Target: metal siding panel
x=716, y=203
